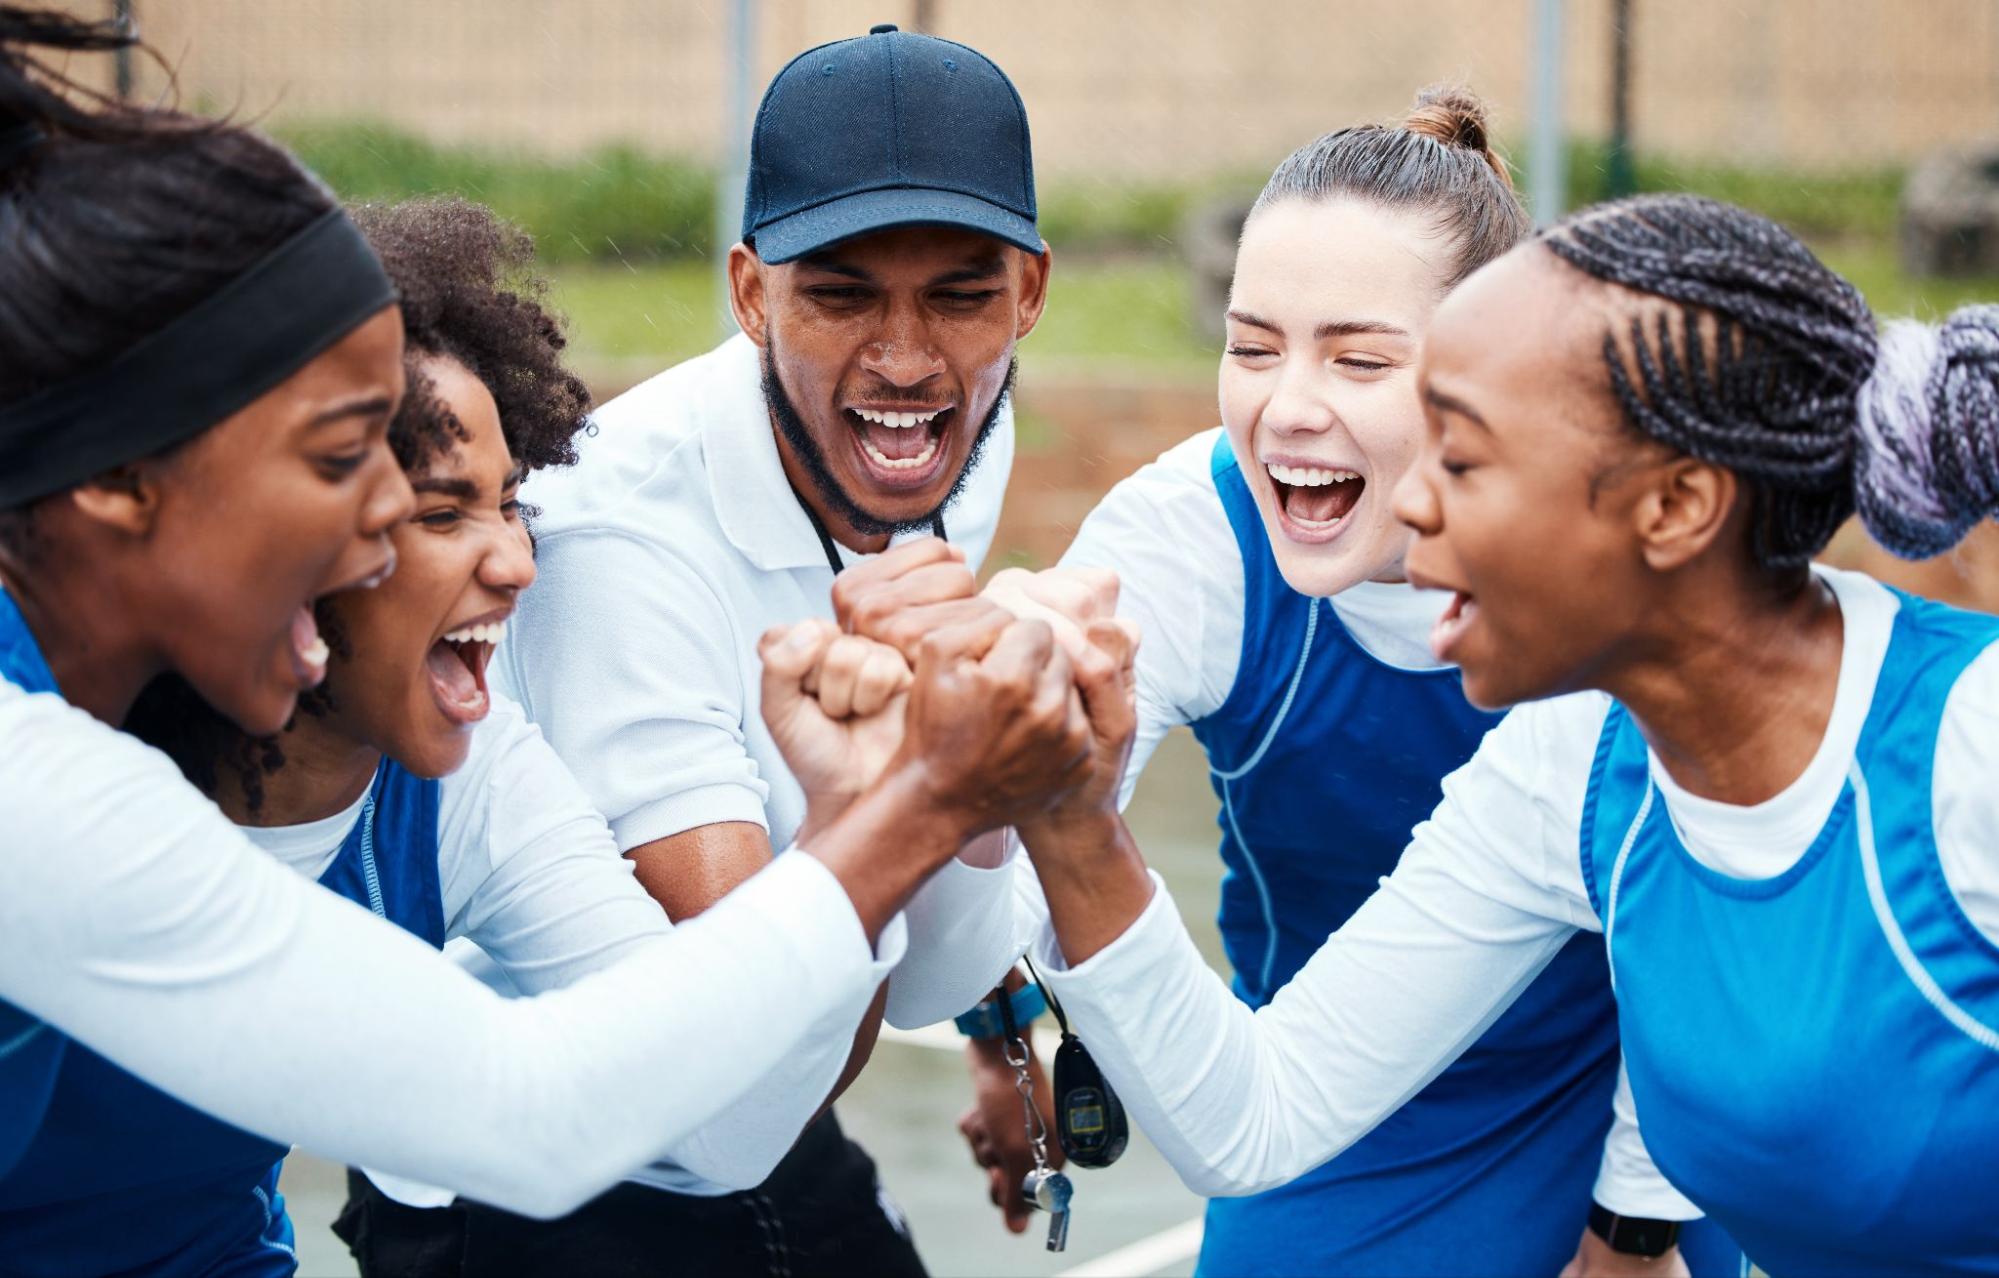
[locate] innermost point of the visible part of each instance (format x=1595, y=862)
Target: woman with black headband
x=201, y=359
x=1768, y=784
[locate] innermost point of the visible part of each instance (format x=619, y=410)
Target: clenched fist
x=833, y=703
x=994, y=730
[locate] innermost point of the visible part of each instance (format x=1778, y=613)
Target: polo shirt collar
x=747, y=486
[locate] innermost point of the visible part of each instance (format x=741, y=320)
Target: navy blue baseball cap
x=887, y=129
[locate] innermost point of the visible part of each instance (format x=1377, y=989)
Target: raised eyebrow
x=372, y=406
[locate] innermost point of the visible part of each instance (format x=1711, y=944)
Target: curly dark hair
x=469, y=293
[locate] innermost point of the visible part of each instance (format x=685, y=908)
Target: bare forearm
x=896, y=812
x=1094, y=878
x=864, y=1048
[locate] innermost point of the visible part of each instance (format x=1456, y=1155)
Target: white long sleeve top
x=536, y=897
x=1488, y=890
x=136, y=918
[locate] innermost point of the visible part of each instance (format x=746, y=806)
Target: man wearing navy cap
x=888, y=267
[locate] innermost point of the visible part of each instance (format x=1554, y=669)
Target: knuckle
x=870, y=611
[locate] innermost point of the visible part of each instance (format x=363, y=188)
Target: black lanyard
x=832, y=549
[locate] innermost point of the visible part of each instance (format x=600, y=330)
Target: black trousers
x=820, y=1215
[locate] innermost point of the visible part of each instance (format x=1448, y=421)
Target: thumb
x=1102, y=587
x=1106, y=682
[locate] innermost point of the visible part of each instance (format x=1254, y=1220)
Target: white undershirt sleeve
x=138, y=920
x=1966, y=802
x=1626, y=1181
x=530, y=872
x=963, y=935
x=1240, y=1101
x=551, y=900
x=1163, y=530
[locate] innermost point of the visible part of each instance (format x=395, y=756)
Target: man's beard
x=806, y=449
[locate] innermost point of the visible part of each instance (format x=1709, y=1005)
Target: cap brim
x=842, y=219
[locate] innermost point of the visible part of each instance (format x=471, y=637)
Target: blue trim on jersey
x=1816, y=1054
x=1324, y=758
x=388, y=861
x=21, y=661
x=30, y=1052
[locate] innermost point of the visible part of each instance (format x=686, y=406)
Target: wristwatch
x=984, y=1020
x=1633, y=1235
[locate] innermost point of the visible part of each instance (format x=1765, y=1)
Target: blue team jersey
x=1324, y=759
x=1816, y=1055
x=102, y=1173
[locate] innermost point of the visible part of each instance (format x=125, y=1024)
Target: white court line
x=1146, y=1256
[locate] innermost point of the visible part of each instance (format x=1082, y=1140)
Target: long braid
x=1765, y=361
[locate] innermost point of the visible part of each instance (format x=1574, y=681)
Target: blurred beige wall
x=1142, y=89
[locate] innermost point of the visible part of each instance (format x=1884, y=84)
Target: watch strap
x=985, y=1021
x=1633, y=1235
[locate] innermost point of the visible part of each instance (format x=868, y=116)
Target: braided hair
x=1760, y=358
x=1439, y=159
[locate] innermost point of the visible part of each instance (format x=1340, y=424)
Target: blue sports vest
x=1324, y=760
x=101, y=1173
x=1816, y=1055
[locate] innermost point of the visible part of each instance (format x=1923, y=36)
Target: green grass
x=627, y=235
x=605, y=204
x=1122, y=317
x=1893, y=293
x=1128, y=316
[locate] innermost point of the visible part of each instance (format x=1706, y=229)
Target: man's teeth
x=488, y=633
x=1309, y=476
x=897, y=421
x=901, y=463
x=315, y=653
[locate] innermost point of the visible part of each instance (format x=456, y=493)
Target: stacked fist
x=1009, y=709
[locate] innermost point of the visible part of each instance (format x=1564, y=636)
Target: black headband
x=262, y=327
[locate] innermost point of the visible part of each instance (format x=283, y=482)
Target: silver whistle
x=1050, y=1191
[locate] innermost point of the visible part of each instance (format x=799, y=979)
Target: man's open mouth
x=457, y=668
x=901, y=447
x=1314, y=500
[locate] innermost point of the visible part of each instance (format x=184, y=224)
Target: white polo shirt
x=664, y=553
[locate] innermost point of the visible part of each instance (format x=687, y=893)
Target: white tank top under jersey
x=535, y=897
x=136, y=918
x=1489, y=888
